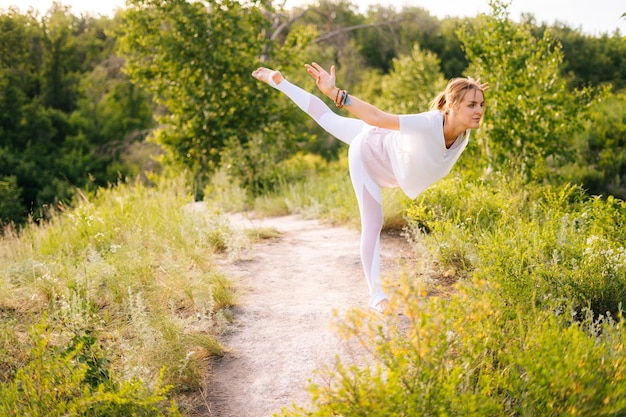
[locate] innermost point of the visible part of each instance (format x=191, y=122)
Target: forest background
x=90, y=100
x=109, y=127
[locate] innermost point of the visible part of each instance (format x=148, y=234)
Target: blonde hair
x=455, y=91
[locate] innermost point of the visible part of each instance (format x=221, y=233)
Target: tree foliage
x=590, y=60
x=413, y=82
x=61, y=125
x=600, y=161
x=70, y=117
x=531, y=112
x=195, y=58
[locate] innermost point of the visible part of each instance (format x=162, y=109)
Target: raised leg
x=343, y=128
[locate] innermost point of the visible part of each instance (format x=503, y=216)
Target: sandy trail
x=291, y=288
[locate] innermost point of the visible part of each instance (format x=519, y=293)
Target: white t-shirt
x=414, y=157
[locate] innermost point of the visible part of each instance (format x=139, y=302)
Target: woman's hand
x=325, y=81
x=371, y=115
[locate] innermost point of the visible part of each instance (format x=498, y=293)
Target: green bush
x=462, y=356
x=130, y=268
x=535, y=326
x=538, y=243
x=73, y=380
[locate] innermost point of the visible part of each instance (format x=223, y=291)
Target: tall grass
x=125, y=283
x=540, y=245
x=311, y=187
x=534, y=325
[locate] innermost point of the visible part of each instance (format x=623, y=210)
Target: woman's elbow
x=388, y=121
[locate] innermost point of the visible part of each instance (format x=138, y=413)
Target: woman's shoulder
x=427, y=118
x=430, y=115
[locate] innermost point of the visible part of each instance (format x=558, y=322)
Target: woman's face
x=469, y=111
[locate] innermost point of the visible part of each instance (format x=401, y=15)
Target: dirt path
x=290, y=288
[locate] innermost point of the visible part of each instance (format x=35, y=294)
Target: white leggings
x=369, y=196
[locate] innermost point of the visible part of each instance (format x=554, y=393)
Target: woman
x=388, y=150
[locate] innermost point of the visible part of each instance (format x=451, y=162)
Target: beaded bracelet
x=337, y=97
x=344, y=98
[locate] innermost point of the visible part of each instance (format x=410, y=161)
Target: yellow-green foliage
x=540, y=244
x=72, y=382
x=534, y=326
x=131, y=269
x=461, y=356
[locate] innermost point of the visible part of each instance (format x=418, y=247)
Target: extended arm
x=370, y=114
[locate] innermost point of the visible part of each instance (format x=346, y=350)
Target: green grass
x=533, y=325
x=130, y=267
x=541, y=245
x=309, y=187
x=118, y=300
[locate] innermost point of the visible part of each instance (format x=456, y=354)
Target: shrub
x=71, y=380
x=462, y=356
x=538, y=243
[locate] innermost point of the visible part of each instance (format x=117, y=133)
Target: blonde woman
x=410, y=151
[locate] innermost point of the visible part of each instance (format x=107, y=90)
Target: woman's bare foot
x=264, y=74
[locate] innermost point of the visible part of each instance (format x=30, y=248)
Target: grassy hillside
x=113, y=306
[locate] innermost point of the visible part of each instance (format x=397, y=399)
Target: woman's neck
x=450, y=130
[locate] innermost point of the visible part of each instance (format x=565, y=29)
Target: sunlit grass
x=533, y=323
x=132, y=265
x=126, y=283
x=326, y=193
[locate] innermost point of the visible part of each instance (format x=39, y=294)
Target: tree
x=412, y=83
x=20, y=59
x=195, y=58
x=379, y=43
x=600, y=164
x=62, y=105
x=10, y=204
x=593, y=60
x=531, y=114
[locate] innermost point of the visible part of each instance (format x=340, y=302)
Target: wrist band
x=337, y=97
x=343, y=100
